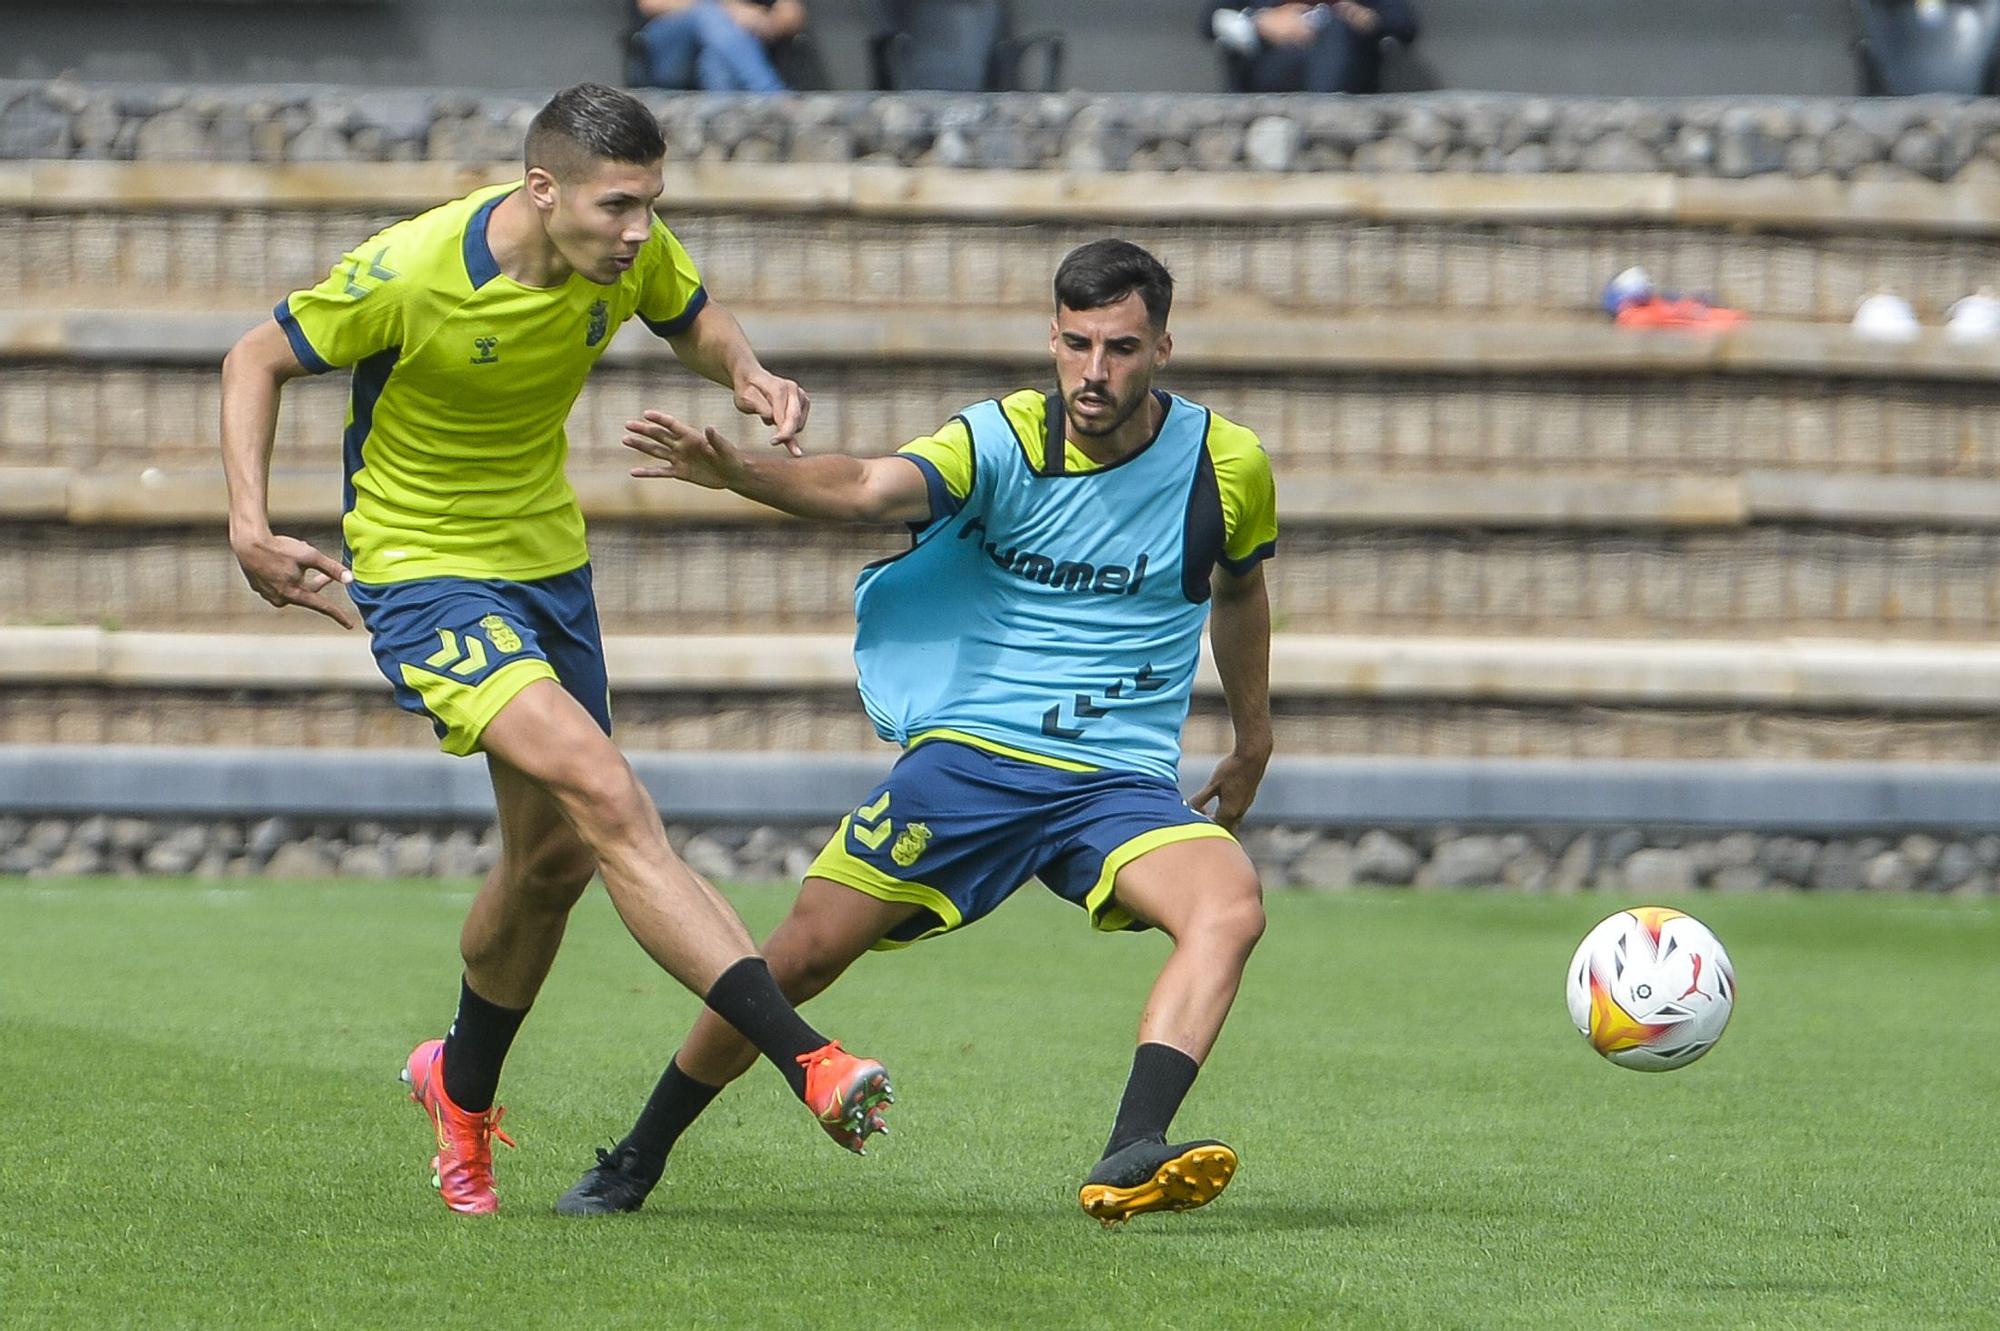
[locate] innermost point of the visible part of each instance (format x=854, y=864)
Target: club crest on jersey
x=910, y=844
x=500, y=635
x=486, y=350
x=600, y=324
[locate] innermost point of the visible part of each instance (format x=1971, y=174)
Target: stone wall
x=1625, y=861
x=1934, y=138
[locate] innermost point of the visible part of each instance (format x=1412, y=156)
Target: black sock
x=675, y=1103
x=1161, y=1076
x=748, y=998
x=475, y=1047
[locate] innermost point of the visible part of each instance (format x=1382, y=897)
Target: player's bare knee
x=800, y=975
x=806, y=961
x=605, y=800
x=1234, y=913
x=553, y=878
x=1253, y=921
x=585, y=785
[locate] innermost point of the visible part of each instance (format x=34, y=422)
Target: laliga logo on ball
x=1651, y=988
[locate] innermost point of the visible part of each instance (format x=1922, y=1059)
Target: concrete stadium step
x=1338, y=575
x=773, y=576
x=1432, y=500
x=1911, y=677
x=225, y=259
x=964, y=334
x=211, y=236
x=1373, y=394
x=1385, y=697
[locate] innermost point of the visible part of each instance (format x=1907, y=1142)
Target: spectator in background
x=1285, y=46
x=716, y=45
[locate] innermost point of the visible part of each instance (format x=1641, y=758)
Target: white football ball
x=1651, y=988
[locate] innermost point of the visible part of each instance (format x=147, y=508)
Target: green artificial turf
x=199, y=1126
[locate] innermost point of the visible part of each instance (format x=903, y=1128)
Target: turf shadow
x=1257, y=1217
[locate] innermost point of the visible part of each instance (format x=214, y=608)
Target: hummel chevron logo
x=474, y=654
x=1146, y=681
x=376, y=270
x=1087, y=708
x=871, y=828
x=1053, y=727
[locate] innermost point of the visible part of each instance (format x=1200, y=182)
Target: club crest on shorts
x=500, y=635
x=600, y=323
x=910, y=844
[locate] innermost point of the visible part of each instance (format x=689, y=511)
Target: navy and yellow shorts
x=957, y=830
x=458, y=649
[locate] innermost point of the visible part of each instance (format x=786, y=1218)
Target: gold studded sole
x=1192, y=1178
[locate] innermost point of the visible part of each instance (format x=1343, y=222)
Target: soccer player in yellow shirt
x=470, y=330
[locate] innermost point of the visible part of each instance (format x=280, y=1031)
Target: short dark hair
x=591, y=123
x=1104, y=272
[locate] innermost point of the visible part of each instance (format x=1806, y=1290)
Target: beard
x=1122, y=412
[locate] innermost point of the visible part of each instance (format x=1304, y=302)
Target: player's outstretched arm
x=836, y=487
x=281, y=569
x=715, y=348
x=1239, y=631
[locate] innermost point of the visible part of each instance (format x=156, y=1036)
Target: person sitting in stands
x=716, y=45
x=1285, y=46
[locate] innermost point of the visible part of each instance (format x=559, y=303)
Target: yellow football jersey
x=463, y=379
x=1242, y=471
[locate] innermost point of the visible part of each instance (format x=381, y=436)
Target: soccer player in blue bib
x=470, y=330
x=1033, y=653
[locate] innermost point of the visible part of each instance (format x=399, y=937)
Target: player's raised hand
x=686, y=452
x=286, y=571
x=780, y=404
x=1231, y=788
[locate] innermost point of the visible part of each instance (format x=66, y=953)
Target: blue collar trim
x=480, y=265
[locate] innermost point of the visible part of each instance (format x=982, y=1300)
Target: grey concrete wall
x=1632, y=48
x=1624, y=828
x=1608, y=47
x=528, y=44
x=1620, y=48
x=734, y=787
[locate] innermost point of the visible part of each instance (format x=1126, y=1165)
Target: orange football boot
x=846, y=1094
x=462, y=1169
